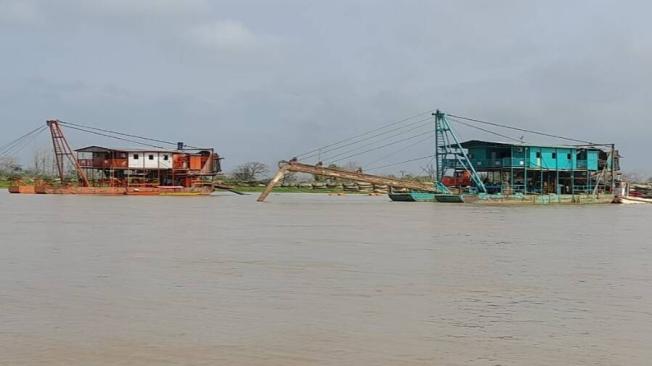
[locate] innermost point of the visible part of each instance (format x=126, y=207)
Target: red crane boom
x=63, y=151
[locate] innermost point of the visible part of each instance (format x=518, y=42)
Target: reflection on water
x=311, y=279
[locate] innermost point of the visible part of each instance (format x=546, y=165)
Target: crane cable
x=30, y=140
x=115, y=137
x=520, y=129
x=393, y=123
x=70, y=124
x=378, y=147
x=402, y=162
x=19, y=143
x=428, y=138
x=378, y=141
x=485, y=130
x=411, y=124
x=20, y=138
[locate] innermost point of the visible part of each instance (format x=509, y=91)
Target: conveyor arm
x=294, y=166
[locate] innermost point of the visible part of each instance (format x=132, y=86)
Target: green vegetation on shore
x=4, y=184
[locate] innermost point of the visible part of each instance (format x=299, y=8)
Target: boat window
x=554, y=155
x=136, y=157
x=165, y=157
x=538, y=154
x=151, y=157
x=569, y=156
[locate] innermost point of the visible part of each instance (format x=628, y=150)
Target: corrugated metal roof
x=93, y=148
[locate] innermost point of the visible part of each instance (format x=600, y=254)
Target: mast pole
x=613, y=169
x=437, y=165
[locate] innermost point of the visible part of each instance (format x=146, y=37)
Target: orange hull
x=111, y=191
x=23, y=189
x=169, y=191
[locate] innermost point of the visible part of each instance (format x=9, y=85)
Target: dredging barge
x=153, y=171
x=491, y=172
x=471, y=171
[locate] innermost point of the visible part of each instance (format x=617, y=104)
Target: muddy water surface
x=318, y=280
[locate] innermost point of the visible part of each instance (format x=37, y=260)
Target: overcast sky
x=265, y=80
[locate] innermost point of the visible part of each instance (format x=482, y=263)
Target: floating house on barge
x=131, y=167
x=117, y=171
x=538, y=169
x=494, y=172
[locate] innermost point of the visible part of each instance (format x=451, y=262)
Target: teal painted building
x=531, y=169
x=494, y=155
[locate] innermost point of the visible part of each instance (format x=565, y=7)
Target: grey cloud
x=265, y=80
x=16, y=12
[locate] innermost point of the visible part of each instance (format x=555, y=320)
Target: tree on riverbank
x=250, y=171
x=9, y=166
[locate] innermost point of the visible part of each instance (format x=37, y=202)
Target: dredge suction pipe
x=295, y=166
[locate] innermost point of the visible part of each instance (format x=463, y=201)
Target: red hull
x=112, y=191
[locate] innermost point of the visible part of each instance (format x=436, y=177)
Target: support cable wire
x=7, y=151
x=13, y=142
x=29, y=141
x=20, y=145
x=378, y=141
x=115, y=137
x=390, y=124
x=411, y=124
x=378, y=147
x=401, y=162
x=485, y=130
x=428, y=138
x=69, y=124
x=520, y=129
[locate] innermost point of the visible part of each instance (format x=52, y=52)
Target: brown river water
x=319, y=280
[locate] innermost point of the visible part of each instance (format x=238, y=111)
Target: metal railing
x=103, y=164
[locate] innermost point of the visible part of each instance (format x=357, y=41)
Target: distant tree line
x=42, y=166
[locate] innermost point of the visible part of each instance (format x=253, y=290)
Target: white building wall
x=136, y=160
x=165, y=160
x=150, y=160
